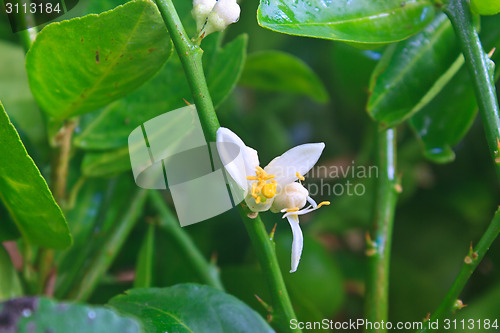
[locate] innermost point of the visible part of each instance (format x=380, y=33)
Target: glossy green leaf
x=80, y=65
x=443, y=122
x=25, y=194
x=189, y=308
x=412, y=72
x=280, y=71
x=10, y=286
x=167, y=91
x=362, y=21
x=110, y=163
x=43, y=315
x=145, y=260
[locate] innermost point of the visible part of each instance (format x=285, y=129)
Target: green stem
x=481, y=72
x=471, y=261
x=379, y=243
x=207, y=272
x=282, y=310
x=191, y=59
x=110, y=249
x=144, y=268
x=26, y=36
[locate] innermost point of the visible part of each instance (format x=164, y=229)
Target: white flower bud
x=223, y=14
x=294, y=195
x=201, y=9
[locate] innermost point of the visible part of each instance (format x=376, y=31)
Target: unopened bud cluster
x=214, y=15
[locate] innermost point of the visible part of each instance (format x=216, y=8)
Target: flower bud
x=294, y=195
x=201, y=9
x=223, y=14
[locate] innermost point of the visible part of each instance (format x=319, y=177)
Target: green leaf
x=107, y=163
x=80, y=65
x=16, y=96
x=189, y=308
x=362, y=21
x=25, y=194
x=223, y=67
x=42, y=315
x=412, y=72
x=167, y=91
x=10, y=286
x=144, y=267
x=442, y=123
x=280, y=71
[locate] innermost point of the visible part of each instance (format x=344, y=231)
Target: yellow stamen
x=324, y=203
x=296, y=209
x=269, y=190
x=299, y=176
x=254, y=187
x=262, y=189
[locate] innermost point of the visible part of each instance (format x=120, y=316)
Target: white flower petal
x=297, y=243
x=299, y=159
x=239, y=160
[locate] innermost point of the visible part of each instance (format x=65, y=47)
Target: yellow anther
x=299, y=176
x=269, y=190
x=295, y=209
x=262, y=189
x=324, y=203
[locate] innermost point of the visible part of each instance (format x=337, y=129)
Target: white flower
x=274, y=187
x=214, y=15
x=201, y=9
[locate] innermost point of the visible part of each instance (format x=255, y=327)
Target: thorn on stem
x=428, y=317
x=264, y=304
x=271, y=235
x=459, y=305
x=490, y=54
x=185, y=101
